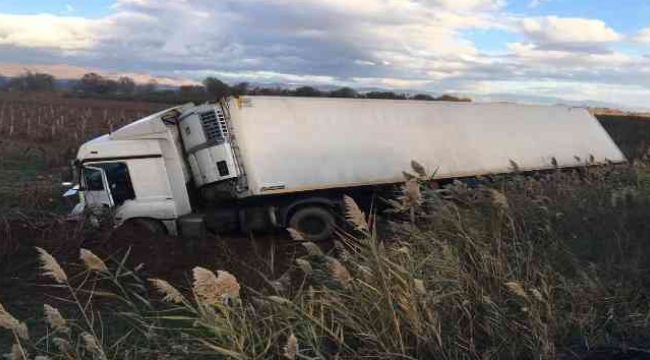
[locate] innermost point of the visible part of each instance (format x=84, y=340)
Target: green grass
x=21, y=168
x=26, y=184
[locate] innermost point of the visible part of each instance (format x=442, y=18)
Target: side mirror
x=72, y=191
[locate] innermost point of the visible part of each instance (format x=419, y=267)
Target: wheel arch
x=168, y=227
x=287, y=211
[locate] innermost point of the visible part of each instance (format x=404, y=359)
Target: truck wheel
x=314, y=222
x=153, y=227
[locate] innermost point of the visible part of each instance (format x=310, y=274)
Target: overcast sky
x=529, y=50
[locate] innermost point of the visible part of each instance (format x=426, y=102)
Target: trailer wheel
x=314, y=222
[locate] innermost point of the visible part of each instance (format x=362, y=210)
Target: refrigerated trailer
x=258, y=162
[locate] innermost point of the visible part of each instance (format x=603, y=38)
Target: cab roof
x=139, y=138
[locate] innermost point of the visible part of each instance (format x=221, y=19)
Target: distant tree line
x=31, y=81
x=124, y=88
x=216, y=88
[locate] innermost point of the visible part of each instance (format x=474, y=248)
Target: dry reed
x=312, y=249
x=51, y=267
x=90, y=343
x=9, y=322
x=499, y=200
x=305, y=266
x=354, y=214
x=295, y=235
x=92, y=261
x=54, y=318
x=171, y=294
x=516, y=289
x=339, y=272
x=213, y=289
x=412, y=194
x=419, y=169
x=291, y=348
x=17, y=353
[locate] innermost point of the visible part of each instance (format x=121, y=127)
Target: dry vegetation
x=523, y=268
x=544, y=266
x=54, y=126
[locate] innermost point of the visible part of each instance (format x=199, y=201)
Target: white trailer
x=261, y=161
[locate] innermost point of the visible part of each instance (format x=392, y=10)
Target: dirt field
x=52, y=126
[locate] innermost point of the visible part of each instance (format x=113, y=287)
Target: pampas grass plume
x=412, y=194
x=312, y=249
x=212, y=289
x=418, y=168
x=90, y=343
x=339, y=272
x=7, y=321
x=516, y=289
x=92, y=261
x=291, y=348
x=54, y=318
x=171, y=294
x=51, y=267
x=354, y=214
x=305, y=266
x=499, y=200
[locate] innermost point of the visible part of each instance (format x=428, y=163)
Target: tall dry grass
x=517, y=267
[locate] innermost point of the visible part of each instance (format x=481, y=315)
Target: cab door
x=97, y=196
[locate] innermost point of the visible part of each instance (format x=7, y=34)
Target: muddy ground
x=254, y=260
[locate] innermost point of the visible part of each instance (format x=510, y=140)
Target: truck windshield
x=119, y=181
x=92, y=179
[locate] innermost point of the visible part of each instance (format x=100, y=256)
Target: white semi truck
x=259, y=162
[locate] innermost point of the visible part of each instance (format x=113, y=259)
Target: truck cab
x=136, y=172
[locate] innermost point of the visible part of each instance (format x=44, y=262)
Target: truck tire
x=315, y=223
x=151, y=226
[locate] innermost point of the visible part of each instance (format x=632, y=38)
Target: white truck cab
x=136, y=172
x=147, y=169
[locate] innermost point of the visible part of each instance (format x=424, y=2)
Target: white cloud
x=471, y=5
x=643, y=36
x=286, y=79
x=568, y=32
x=48, y=31
x=530, y=54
